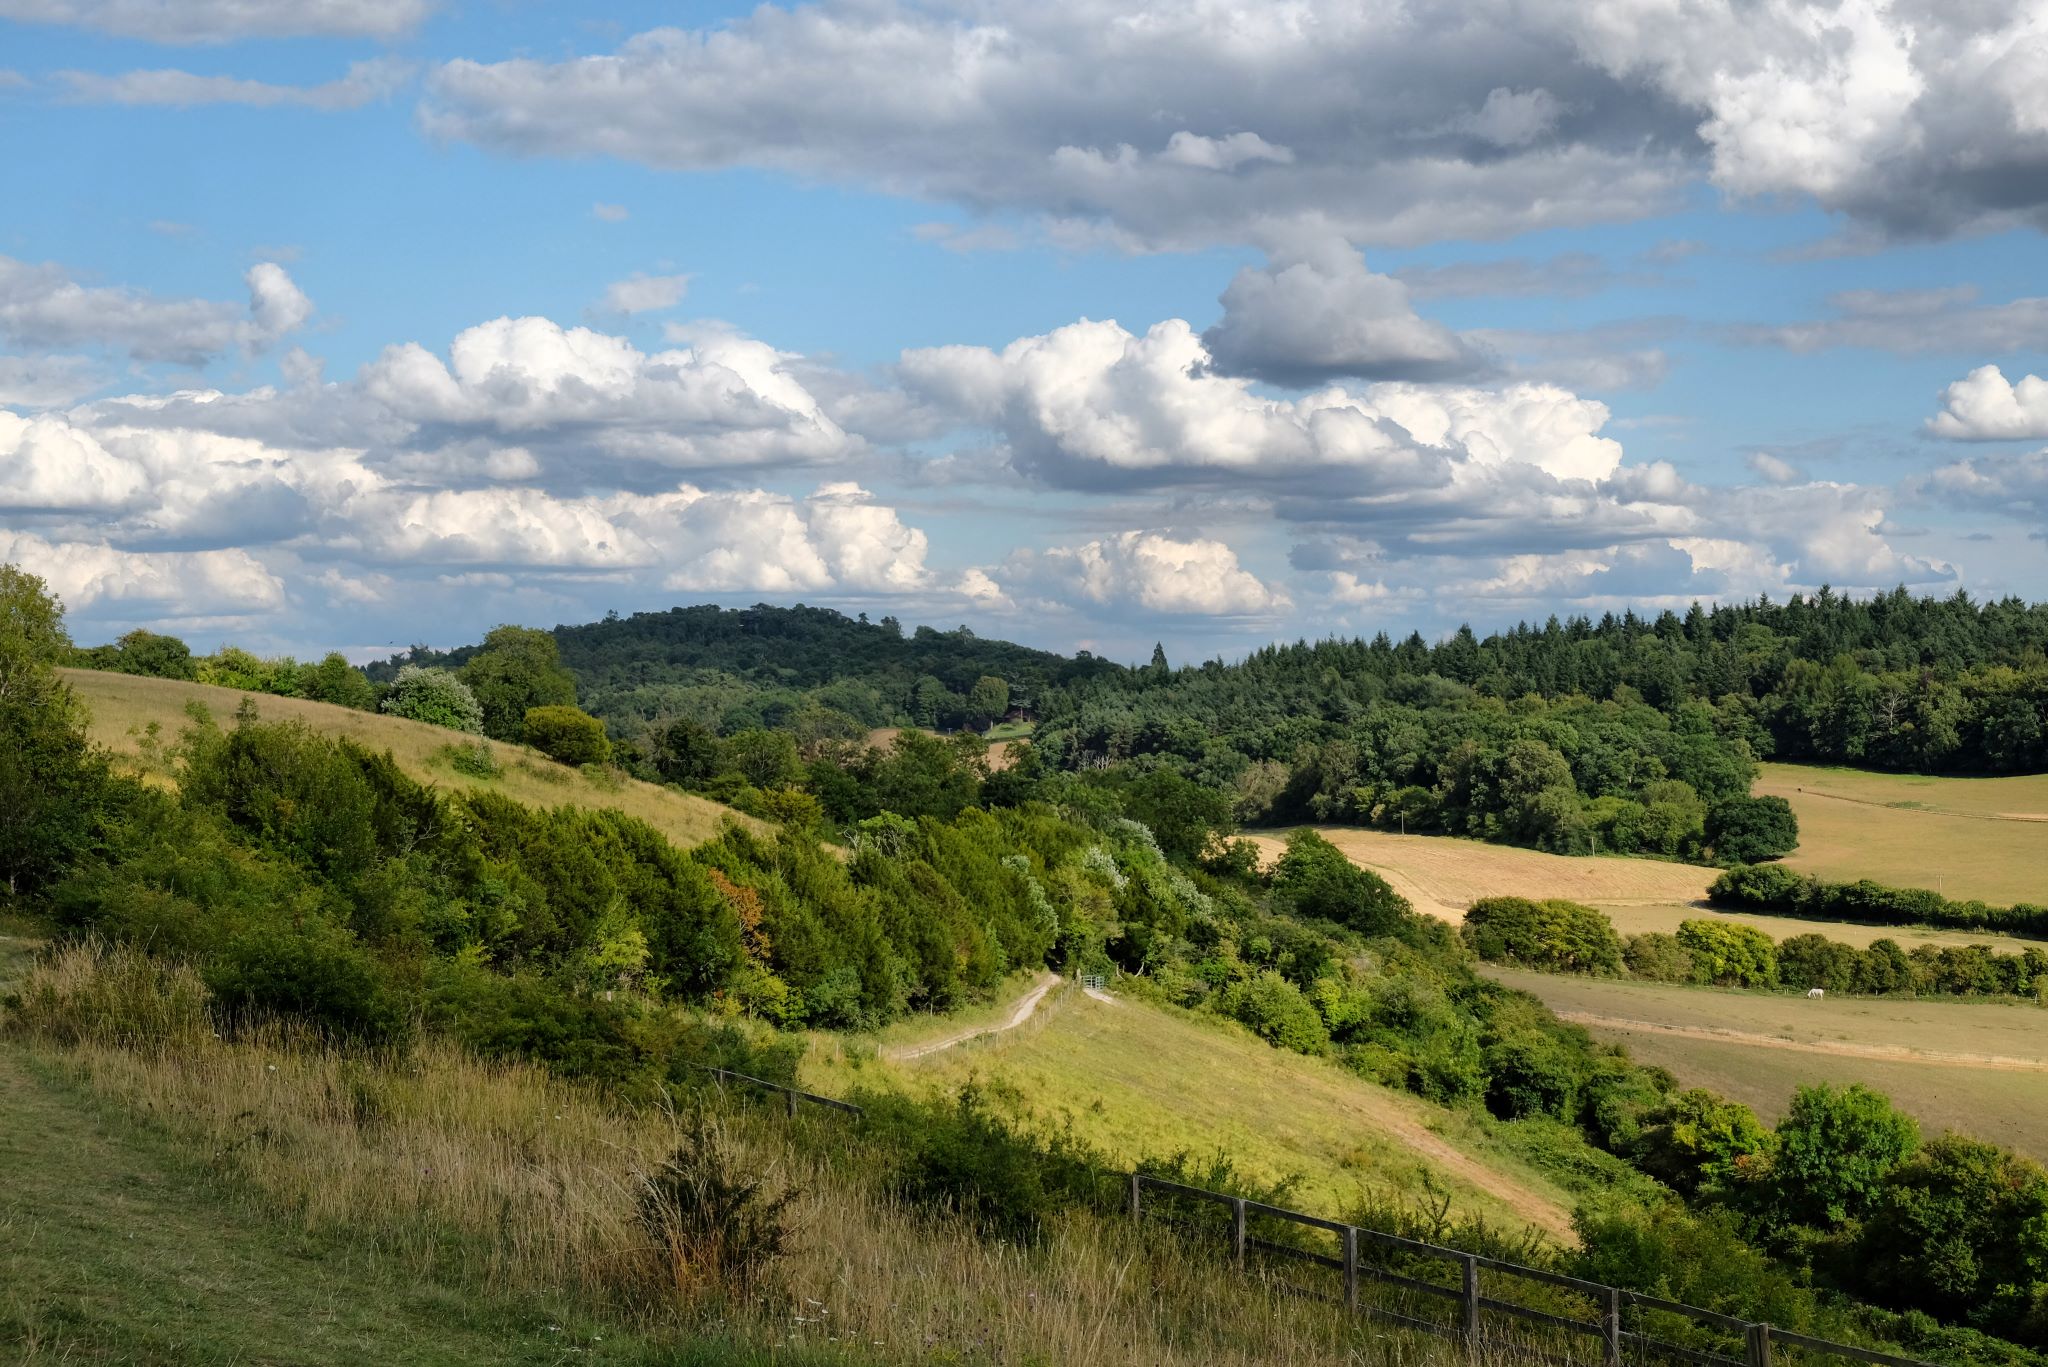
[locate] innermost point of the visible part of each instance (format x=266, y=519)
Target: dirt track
x=1026, y=1005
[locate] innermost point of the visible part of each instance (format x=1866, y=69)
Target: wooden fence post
x=789, y=1095
x=1611, y=1327
x=1135, y=1184
x=1237, y=1228
x=1351, y=1268
x=1470, y=1303
x=1759, y=1345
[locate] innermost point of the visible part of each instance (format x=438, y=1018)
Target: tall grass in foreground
x=501, y=1177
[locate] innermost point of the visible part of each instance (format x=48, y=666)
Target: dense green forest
x=1627, y=734
x=306, y=877
x=736, y=669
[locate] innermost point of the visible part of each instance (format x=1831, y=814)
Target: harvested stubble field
x=1965, y=837
x=1443, y=875
x=1139, y=1080
x=123, y=705
x=1977, y=1067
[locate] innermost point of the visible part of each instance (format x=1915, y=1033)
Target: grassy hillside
x=205, y=1201
x=1966, y=837
x=1978, y=1067
x=123, y=706
x=1136, y=1079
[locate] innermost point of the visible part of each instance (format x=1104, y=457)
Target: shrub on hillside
x=1960, y=1229
x=1276, y=1011
x=712, y=1225
x=1315, y=877
x=567, y=735
x=1556, y=936
x=436, y=697
x=1835, y=1148
x=1698, y=1142
x=310, y=969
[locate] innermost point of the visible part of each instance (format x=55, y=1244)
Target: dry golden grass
x=1965, y=837
x=123, y=705
x=498, y=1176
x=1137, y=1081
x=1793, y=1039
x=1443, y=875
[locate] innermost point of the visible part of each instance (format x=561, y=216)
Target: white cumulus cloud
x=1985, y=406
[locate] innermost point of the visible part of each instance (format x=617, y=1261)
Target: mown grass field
x=1443, y=875
x=1759, y=1047
x=1141, y=1081
x=1965, y=837
x=123, y=705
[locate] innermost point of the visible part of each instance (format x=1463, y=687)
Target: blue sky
x=332, y=324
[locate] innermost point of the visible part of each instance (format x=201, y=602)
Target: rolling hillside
x=1964, y=837
x=1136, y=1079
x=124, y=705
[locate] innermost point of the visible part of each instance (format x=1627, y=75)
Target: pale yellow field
x=122, y=705
x=1139, y=1080
x=1635, y=919
x=1965, y=837
x=1443, y=876
x=1978, y=1067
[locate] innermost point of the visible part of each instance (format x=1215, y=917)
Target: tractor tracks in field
x=1891, y=1053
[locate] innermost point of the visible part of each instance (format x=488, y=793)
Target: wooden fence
x=790, y=1095
x=1622, y=1322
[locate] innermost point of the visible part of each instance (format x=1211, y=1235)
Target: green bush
x=712, y=1226
x=1277, y=1012
x=1534, y=1073
x=1318, y=881
x=476, y=759
x=1743, y=830
x=436, y=697
x=1658, y=958
x=964, y=1159
x=313, y=970
x=1697, y=1142
x=1835, y=1149
x=1729, y=955
x=567, y=735
x=1556, y=936
x=1960, y=1229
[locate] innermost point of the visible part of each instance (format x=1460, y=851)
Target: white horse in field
x=1815, y=993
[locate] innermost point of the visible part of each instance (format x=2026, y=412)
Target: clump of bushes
x=435, y=697
x=567, y=735
x=1774, y=888
x=1556, y=936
